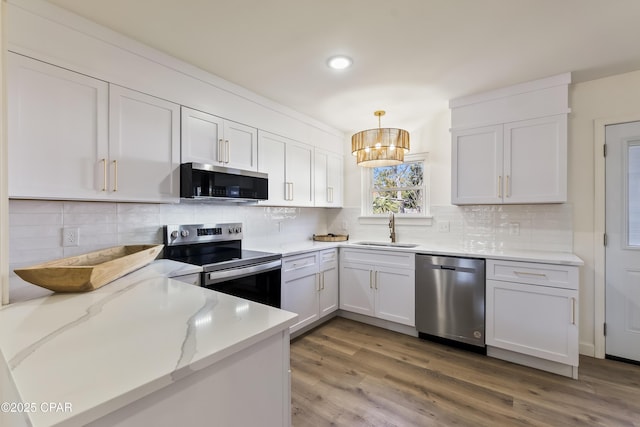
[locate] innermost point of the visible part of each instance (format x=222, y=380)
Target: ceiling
x=410, y=56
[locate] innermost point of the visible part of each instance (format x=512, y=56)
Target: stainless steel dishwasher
x=450, y=299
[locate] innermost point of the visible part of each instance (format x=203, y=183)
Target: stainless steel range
x=226, y=266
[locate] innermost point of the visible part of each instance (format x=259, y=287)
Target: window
x=400, y=189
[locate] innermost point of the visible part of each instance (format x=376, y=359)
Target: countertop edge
x=544, y=257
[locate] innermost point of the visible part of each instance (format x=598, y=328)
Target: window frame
x=366, y=210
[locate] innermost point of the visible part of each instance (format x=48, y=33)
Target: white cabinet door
x=535, y=320
x=535, y=160
x=518, y=162
x=289, y=165
x=57, y=131
x=356, y=289
x=301, y=296
x=201, y=137
x=213, y=140
x=395, y=295
x=328, y=281
x=241, y=146
x=477, y=166
x=271, y=155
x=327, y=179
x=299, y=173
x=144, y=147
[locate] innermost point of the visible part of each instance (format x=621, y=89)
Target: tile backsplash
x=475, y=228
x=35, y=227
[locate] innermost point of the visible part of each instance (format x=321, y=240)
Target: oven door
x=257, y=282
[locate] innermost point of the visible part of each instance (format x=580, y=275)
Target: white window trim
x=424, y=218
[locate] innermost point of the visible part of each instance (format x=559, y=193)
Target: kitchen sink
x=387, y=244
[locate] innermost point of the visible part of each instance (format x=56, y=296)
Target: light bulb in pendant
x=366, y=149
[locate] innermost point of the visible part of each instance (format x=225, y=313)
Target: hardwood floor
x=346, y=373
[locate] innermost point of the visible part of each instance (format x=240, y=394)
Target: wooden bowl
x=82, y=273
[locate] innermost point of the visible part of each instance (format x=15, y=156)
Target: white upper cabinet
x=477, y=165
x=289, y=165
x=535, y=160
x=518, y=162
x=57, y=130
x=144, y=150
x=72, y=137
x=510, y=145
x=328, y=179
x=213, y=140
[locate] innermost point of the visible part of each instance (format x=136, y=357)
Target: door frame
x=599, y=228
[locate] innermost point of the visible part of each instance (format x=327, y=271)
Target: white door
x=299, y=166
x=622, y=255
x=535, y=160
x=271, y=154
x=144, y=147
x=201, y=133
x=58, y=130
x=301, y=297
x=241, y=144
x=395, y=295
x=356, y=289
x=476, y=174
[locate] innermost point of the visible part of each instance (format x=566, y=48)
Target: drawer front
x=379, y=257
x=328, y=258
x=556, y=276
x=299, y=265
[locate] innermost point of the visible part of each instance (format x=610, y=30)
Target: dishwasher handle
x=446, y=267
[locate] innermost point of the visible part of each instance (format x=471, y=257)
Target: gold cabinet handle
x=330, y=194
x=500, y=186
x=227, y=151
x=508, y=192
x=104, y=174
x=323, y=280
x=573, y=311
x=318, y=288
x=371, y=279
x=291, y=183
x=115, y=175
x=376, y=280
x=221, y=150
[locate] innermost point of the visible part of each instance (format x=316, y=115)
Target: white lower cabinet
x=379, y=284
x=532, y=310
x=310, y=286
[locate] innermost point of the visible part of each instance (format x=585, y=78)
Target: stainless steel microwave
x=207, y=182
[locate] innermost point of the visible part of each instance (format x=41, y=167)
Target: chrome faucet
x=392, y=227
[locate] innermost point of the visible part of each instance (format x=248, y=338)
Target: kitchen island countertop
x=93, y=353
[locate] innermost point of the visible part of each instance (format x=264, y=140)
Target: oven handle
x=232, y=273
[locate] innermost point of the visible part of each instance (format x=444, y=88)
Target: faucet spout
x=392, y=227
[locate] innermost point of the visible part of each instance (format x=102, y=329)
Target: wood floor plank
x=345, y=373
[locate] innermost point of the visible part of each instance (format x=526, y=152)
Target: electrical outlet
x=514, y=228
x=70, y=236
x=443, y=226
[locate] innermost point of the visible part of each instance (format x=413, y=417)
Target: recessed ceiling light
x=339, y=62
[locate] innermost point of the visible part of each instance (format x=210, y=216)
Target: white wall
x=616, y=97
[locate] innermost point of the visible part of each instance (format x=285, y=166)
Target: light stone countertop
x=101, y=350
x=547, y=257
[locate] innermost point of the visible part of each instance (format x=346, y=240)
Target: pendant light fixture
x=380, y=147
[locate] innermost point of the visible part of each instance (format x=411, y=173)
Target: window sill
x=400, y=220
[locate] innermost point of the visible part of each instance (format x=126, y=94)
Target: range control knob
x=230, y=230
x=238, y=229
x=174, y=234
x=184, y=233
